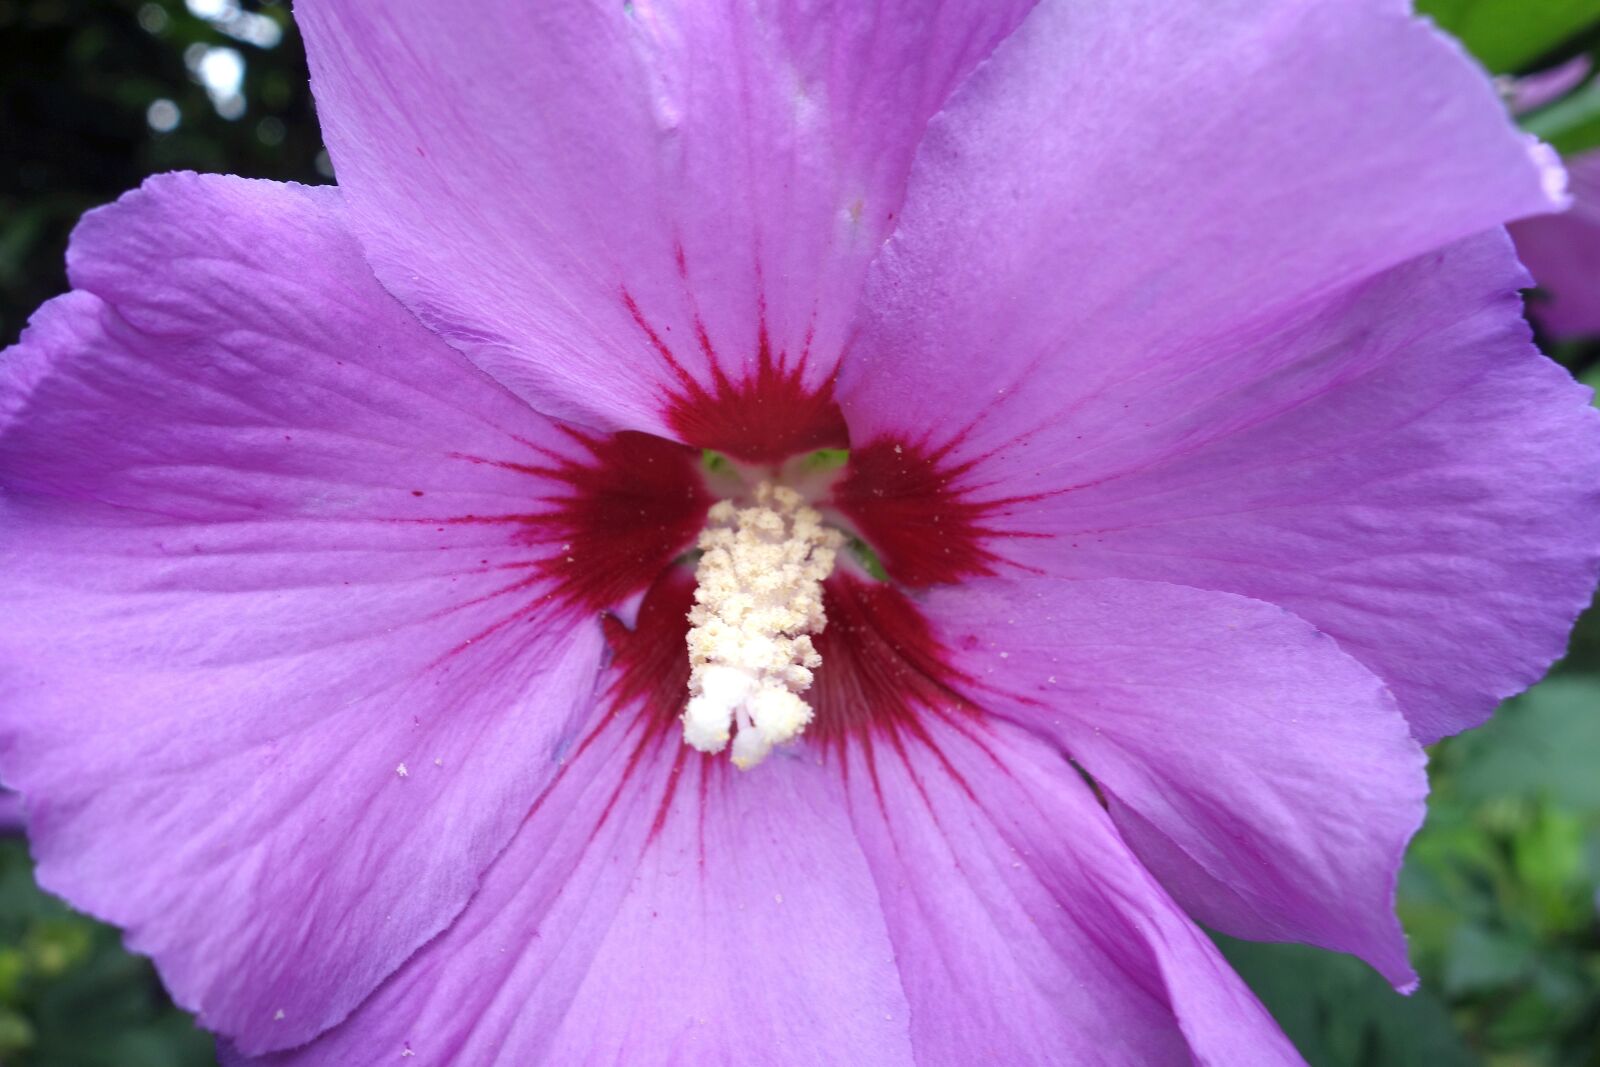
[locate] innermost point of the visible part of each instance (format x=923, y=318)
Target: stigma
x=757, y=600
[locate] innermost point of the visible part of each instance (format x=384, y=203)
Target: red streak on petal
x=650, y=663
x=883, y=674
x=765, y=415
x=629, y=513
x=622, y=512
x=913, y=507
x=650, y=679
x=883, y=670
x=764, y=418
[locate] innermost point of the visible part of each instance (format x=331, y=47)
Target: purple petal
x=1563, y=254
x=656, y=907
x=1126, y=178
x=273, y=692
x=1264, y=775
x=1024, y=928
x=1390, y=460
x=956, y=896
x=1157, y=309
x=673, y=199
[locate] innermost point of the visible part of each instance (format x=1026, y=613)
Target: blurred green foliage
x=1499, y=894
x=70, y=996
x=1514, y=36
x=81, y=80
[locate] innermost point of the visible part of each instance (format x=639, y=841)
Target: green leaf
x=16, y=1035
x=1541, y=745
x=1507, y=35
x=1340, y=1013
x=1481, y=959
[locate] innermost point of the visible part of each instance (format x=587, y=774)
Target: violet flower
x=1189, y=411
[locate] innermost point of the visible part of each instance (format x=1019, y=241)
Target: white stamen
x=758, y=598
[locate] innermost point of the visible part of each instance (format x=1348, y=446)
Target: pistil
x=758, y=598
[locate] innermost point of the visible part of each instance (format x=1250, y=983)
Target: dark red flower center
x=882, y=669
x=628, y=508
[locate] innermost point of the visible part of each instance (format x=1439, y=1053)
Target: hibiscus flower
x=1086, y=447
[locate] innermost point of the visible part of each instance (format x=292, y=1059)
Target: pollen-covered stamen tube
x=758, y=598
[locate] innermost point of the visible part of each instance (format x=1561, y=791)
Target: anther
x=758, y=598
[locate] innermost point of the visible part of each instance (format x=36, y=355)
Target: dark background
x=1500, y=893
